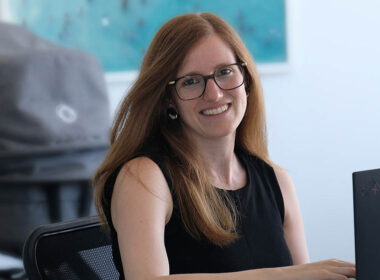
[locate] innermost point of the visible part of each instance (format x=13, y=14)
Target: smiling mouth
x=216, y=111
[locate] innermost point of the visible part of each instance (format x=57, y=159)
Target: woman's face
x=217, y=113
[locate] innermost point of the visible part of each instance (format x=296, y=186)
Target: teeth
x=216, y=111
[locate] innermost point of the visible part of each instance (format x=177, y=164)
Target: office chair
x=78, y=249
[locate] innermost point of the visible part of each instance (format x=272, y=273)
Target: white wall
x=324, y=114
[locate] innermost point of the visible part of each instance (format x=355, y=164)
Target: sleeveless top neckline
x=261, y=243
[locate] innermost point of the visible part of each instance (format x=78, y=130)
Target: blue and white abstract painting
x=118, y=32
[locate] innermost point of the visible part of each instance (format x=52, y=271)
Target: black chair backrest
x=78, y=249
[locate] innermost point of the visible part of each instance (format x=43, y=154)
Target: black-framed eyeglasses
x=227, y=77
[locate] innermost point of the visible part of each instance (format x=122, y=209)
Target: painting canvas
x=118, y=32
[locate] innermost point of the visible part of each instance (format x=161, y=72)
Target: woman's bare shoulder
x=140, y=179
x=283, y=179
x=142, y=170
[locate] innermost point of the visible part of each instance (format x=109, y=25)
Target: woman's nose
x=212, y=91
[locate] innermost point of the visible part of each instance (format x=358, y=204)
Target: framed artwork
x=118, y=32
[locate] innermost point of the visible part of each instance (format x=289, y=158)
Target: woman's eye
x=224, y=71
x=190, y=81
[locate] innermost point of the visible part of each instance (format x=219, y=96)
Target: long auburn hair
x=205, y=211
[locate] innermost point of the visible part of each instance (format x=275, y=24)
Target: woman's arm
x=293, y=225
x=140, y=208
x=142, y=205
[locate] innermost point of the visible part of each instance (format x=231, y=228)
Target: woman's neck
x=221, y=163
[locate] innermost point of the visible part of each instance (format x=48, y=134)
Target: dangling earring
x=172, y=113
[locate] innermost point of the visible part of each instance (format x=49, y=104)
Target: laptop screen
x=366, y=190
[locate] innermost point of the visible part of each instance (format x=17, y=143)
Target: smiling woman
x=188, y=189
x=213, y=105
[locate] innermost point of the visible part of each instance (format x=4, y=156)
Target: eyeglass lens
x=227, y=77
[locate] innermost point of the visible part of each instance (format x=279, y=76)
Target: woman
x=187, y=188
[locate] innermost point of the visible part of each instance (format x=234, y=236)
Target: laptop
x=366, y=190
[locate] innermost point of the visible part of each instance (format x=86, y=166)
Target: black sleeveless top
x=261, y=243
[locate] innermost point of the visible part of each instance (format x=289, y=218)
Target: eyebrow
x=191, y=73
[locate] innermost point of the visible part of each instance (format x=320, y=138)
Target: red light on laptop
x=375, y=188
x=372, y=186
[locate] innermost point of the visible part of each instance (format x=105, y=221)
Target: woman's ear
x=171, y=103
x=247, y=85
